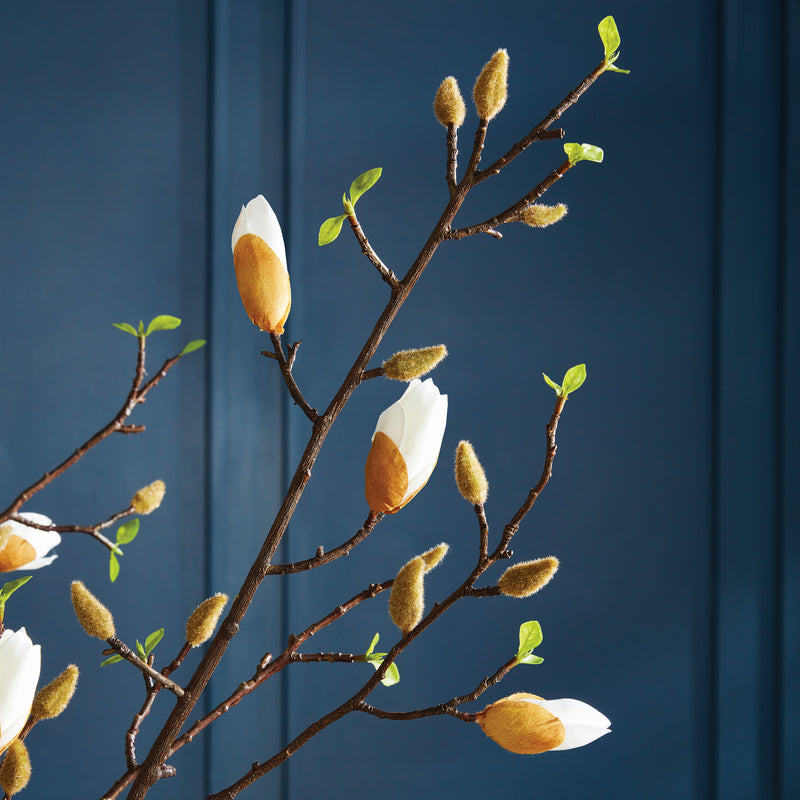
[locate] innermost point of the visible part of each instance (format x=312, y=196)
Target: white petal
x=39, y=519
x=582, y=723
x=392, y=422
x=41, y=541
x=240, y=228
x=261, y=220
x=20, y=664
x=426, y=418
x=38, y=563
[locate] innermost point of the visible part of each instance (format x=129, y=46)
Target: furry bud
x=448, y=105
x=409, y=364
x=203, y=620
x=470, y=477
x=525, y=579
x=52, y=699
x=15, y=771
x=407, y=599
x=433, y=556
x=540, y=216
x=95, y=618
x=149, y=498
x=491, y=87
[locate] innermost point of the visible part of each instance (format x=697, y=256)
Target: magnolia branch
x=286, y=370
x=119, y=647
x=452, y=157
x=367, y=250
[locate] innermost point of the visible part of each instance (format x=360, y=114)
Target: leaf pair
x=573, y=380
x=376, y=659
x=163, y=322
x=142, y=650
x=530, y=637
x=610, y=38
x=331, y=228
x=125, y=534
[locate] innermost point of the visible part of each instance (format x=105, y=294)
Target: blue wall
x=131, y=135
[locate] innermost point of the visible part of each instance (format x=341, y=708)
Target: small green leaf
x=530, y=637
x=163, y=322
x=552, y=384
x=330, y=229
x=583, y=152
x=611, y=68
x=196, y=344
x=116, y=550
x=574, y=378
x=123, y=326
x=112, y=660
x=141, y=329
x=127, y=533
x=140, y=650
x=375, y=640
x=363, y=182
x=392, y=675
x=9, y=588
x=348, y=206
x=113, y=567
x=530, y=659
x=609, y=35
x=152, y=640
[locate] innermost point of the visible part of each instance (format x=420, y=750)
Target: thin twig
x=483, y=524
x=286, y=370
x=452, y=157
x=375, y=372
x=369, y=252
x=122, y=649
x=325, y=558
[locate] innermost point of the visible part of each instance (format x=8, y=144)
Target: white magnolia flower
x=23, y=547
x=405, y=446
x=259, y=257
x=20, y=662
x=526, y=723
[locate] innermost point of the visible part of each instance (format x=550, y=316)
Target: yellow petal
x=263, y=283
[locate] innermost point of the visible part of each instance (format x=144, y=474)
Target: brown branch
x=483, y=524
x=376, y=372
x=286, y=370
x=452, y=157
x=367, y=250
x=122, y=649
x=322, y=557
x=512, y=212
x=539, y=132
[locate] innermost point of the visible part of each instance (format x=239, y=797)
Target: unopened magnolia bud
x=448, y=105
x=203, y=620
x=470, y=477
x=409, y=364
x=407, y=599
x=540, y=216
x=52, y=699
x=95, y=618
x=525, y=579
x=433, y=556
x=15, y=771
x=521, y=726
x=491, y=88
x=149, y=498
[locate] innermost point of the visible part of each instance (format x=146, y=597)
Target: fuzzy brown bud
x=409, y=364
x=407, y=599
x=470, y=477
x=95, y=618
x=491, y=87
x=448, y=105
x=433, y=556
x=149, y=498
x=203, y=620
x=540, y=216
x=52, y=699
x=15, y=771
x=525, y=579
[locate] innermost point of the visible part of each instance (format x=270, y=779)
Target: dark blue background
x=130, y=136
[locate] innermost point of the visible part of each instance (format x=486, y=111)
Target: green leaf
x=530, y=659
x=196, y=344
x=363, y=182
x=141, y=329
x=163, y=322
x=113, y=567
x=530, y=637
x=127, y=533
x=152, y=640
x=583, y=152
x=9, y=588
x=112, y=660
x=609, y=35
x=611, y=68
x=348, y=206
x=375, y=640
x=140, y=650
x=330, y=229
x=574, y=378
x=392, y=675
x=552, y=384
x=123, y=326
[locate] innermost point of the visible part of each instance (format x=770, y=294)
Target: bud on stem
x=52, y=700
x=491, y=87
x=95, y=618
